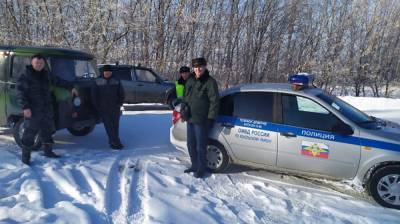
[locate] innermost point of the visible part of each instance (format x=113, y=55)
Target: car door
x=17, y=67
x=148, y=87
x=306, y=142
x=246, y=118
x=124, y=74
x=3, y=84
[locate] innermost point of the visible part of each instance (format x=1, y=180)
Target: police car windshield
x=71, y=69
x=346, y=109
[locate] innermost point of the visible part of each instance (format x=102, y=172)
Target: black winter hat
x=107, y=68
x=38, y=56
x=184, y=69
x=196, y=62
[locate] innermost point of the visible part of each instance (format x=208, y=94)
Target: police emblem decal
x=313, y=149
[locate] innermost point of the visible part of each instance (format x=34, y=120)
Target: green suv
x=76, y=114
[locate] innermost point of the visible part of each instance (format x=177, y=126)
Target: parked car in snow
x=74, y=66
x=295, y=128
x=143, y=85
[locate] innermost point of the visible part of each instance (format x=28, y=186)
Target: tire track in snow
x=139, y=194
x=126, y=191
x=112, y=195
x=66, y=183
x=96, y=188
x=230, y=195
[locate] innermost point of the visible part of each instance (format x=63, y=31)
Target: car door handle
x=227, y=125
x=288, y=134
x=140, y=84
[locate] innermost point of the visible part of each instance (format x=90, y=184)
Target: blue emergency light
x=302, y=80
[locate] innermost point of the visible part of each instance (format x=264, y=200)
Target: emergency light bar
x=301, y=80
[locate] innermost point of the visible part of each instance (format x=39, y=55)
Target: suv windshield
x=71, y=69
x=349, y=111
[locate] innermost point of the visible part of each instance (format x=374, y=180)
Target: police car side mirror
x=342, y=129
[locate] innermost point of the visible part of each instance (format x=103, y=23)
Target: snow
x=145, y=183
x=386, y=108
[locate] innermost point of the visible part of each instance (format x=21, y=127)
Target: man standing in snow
x=34, y=96
x=184, y=73
x=108, y=97
x=202, y=97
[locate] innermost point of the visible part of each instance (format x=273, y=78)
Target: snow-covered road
x=145, y=183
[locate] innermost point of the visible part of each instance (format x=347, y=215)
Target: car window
x=308, y=105
x=123, y=74
x=226, y=106
x=145, y=76
x=250, y=105
x=18, y=66
x=349, y=111
x=70, y=69
x=302, y=112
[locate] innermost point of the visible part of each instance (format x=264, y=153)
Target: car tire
x=18, y=131
x=384, y=186
x=217, y=159
x=82, y=131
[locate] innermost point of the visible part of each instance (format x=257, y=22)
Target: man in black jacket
x=201, y=94
x=35, y=98
x=108, y=97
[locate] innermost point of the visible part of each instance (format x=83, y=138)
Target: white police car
x=296, y=127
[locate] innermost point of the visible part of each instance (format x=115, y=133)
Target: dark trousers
x=111, y=124
x=34, y=125
x=197, y=138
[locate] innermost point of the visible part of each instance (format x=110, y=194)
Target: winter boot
x=117, y=146
x=190, y=170
x=48, y=151
x=26, y=157
x=199, y=174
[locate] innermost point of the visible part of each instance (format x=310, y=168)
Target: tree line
x=345, y=43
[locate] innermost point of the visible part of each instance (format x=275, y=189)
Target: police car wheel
x=19, y=131
x=384, y=186
x=80, y=131
x=217, y=157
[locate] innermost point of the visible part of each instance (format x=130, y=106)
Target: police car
x=296, y=127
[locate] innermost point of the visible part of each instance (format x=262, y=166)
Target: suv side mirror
x=342, y=129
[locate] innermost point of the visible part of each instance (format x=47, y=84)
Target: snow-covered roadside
x=145, y=183
x=386, y=108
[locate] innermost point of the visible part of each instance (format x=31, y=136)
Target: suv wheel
x=217, y=158
x=18, y=131
x=80, y=131
x=384, y=186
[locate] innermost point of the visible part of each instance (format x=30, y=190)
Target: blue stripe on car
x=308, y=133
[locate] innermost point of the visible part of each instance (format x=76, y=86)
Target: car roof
x=48, y=51
x=124, y=66
x=270, y=87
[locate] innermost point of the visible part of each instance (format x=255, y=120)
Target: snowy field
x=145, y=183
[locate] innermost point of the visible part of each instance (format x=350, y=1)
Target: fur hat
x=197, y=62
x=107, y=68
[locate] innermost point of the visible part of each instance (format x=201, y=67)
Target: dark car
x=143, y=85
x=76, y=114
